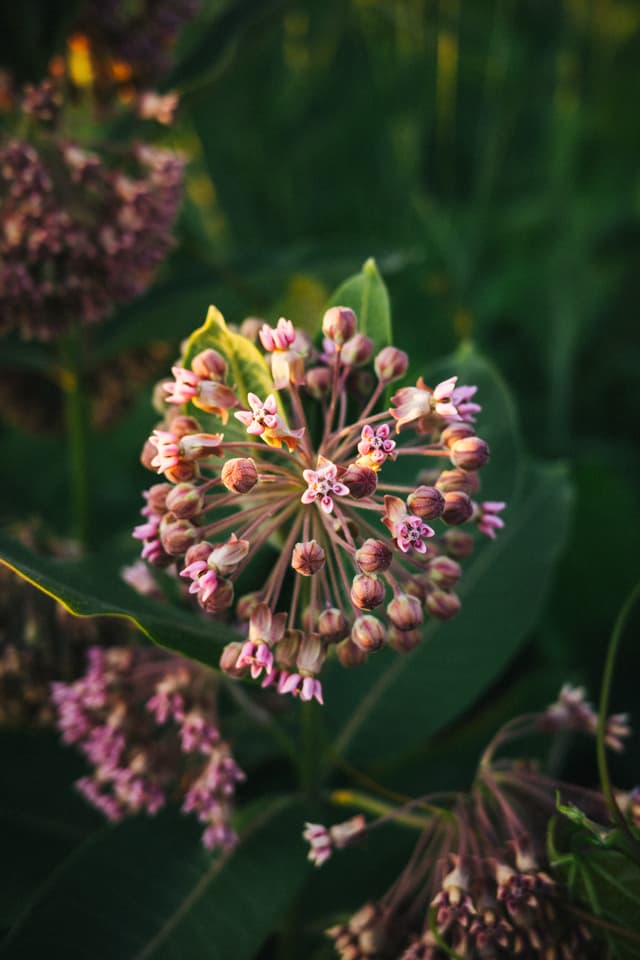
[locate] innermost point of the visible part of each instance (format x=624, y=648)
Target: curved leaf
x=91, y=587
x=367, y=296
x=146, y=890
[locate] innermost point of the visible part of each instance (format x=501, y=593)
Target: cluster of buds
x=479, y=884
x=79, y=235
x=572, y=711
x=362, y=561
x=147, y=723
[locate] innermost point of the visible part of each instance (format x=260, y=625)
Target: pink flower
x=488, y=521
x=442, y=398
x=323, y=484
x=461, y=399
x=375, y=446
x=184, y=388
x=204, y=579
x=263, y=416
x=265, y=631
x=413, y=405
x=321, y=847
x=277, y=338
x=168, y=447
x=408, y=530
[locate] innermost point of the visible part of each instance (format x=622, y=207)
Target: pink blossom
x=280, y=337
x=265, y=631
x=375, y=446
x=489, y=522
x=461, y=399
x=408, y=530
x=204, y=579
x=168, y=447
x=263, y=416
x=321, y=847
x=323, y=484
x=442, y=398
x=184, y=388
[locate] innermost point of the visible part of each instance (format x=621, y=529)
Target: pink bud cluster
x=479, y=884
x=361, y=562
x=79, y=235
x=147, y=723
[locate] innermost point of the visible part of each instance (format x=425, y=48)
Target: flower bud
x=404, y=641
x=228, y=659
x=333, y=625
x=458, y=543
x=444, y=572
x=149, y=453
x=311, y=655
x=470, y=453
x=220, y=599
x=426, y=502
x=286, y=650
x=339, y=324
x=405, y=612
x=361, y=481
x=199, y=446
x=416, y=588
x=182, y=426
x=456, y=431
x=182, y=472
x=464, y=480
x=374, y=556
x=246, y=605
x=239, y=474
x=157, y=497
x=227, y=556
x=367, y=592
x=154, y=554
x=349, y=654
x=307, y=558
x=457, y=508
x=391, y=364
x=209, y=365
x=199, y=551
x=368, y=634
x=178, y=535
x=185, y=501
x=442, y=604
x=357, y=350
x=318, y=382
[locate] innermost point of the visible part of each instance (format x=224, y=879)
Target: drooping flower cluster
x=79, y=235
x=479, y=883
x=361, y=560
x=147, y=722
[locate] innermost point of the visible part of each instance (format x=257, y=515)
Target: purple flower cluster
x=79, y=236
x=147, y=723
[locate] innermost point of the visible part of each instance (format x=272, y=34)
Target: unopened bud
x=149, y=453
x=286, y=650
x=333, y=625
x=456, y=431
x=185, y=501
x=318, y=382
x=405, y=612
x=444, y=572
x=220, y=599
x=368, y=634
x=239, y=474
x=246, y=605
x=228, y=659
x=458, y=543
x=307, y=558
x=426, y=502
x=403, y=641
x=457, y=508
x=226, y=557
x=157, y=497
x=182, y=426
x=391, y=364
x=209, y=365
x=178, y=535
x=470, y=453
x=367, y=592
x=464, y=480
x=362, y=481
x=339, y=324
x=374, y=556
x=182, y=472
x=442, y=604
x=199, y=551
x=199, y=446
x=311, y=655
x=357, y=351
x=349, y=654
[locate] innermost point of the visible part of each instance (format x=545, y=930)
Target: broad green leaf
x=92, y=587
x=367, y=296
x=395, y=703
x=146, y=890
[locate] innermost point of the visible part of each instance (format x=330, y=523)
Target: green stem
x=76, y=422
x=364, y=801
x=603, y=711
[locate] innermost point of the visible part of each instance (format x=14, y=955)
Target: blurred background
x=485, y=152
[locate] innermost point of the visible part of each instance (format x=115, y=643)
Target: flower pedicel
x=361, y=560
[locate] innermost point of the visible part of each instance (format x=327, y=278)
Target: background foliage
x=485, y=153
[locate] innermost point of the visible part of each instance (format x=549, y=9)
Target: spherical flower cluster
x=362, y=561
x=146, y=721
x=479, y=884
x=79, y=236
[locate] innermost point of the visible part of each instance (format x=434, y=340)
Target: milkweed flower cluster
x=479, y=883
x=147, y=723
x=303, y=465
x=80, y=234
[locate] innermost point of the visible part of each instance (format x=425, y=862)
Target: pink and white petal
x=327, y=504
x=308, y=496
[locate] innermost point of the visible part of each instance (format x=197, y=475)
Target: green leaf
x=92, y=587
x=146, y=890
x=395, y=703
x=367, y=296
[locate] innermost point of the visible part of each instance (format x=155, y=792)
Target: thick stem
x=76, y=422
